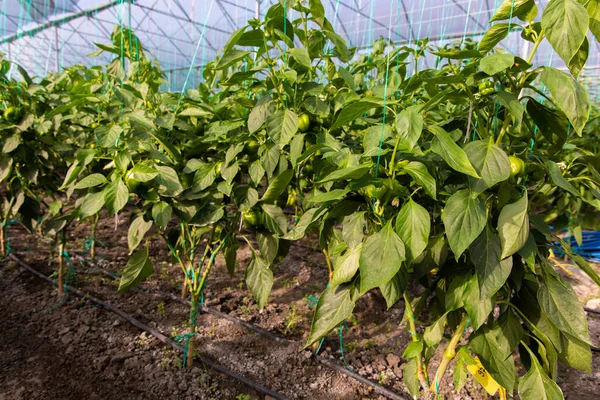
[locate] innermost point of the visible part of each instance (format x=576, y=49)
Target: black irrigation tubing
x=162, y=338
x=203, y=308
x=263, y=332
x=591, y=310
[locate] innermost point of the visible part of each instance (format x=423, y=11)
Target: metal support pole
x=257, y=9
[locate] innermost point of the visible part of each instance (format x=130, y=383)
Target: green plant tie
x=87, y=244
x=70, y=276
x=186, y=337
x=312, y=301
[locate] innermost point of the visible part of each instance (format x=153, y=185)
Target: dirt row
x=101, y=357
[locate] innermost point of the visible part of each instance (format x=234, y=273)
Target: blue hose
x=589, y=249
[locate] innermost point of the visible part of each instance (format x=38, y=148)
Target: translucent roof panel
x=46, y=35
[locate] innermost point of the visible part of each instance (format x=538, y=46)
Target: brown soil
x=76, y=350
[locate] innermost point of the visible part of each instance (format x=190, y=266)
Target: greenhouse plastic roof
x=46, y=35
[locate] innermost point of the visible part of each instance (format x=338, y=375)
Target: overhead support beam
x=60, y=21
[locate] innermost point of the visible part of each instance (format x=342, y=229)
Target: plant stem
x=328, y=261
x=2, y=243
x=423, y=378
x=190, y=349
x=93, y=243
x=503, y=130
x=449, y=353
x=61, y=272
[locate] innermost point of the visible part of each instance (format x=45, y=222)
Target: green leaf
x=580, y=58
x=11, y=143
x=413, y=349
x=316, y=106
x=168, y=180
x=460, y=54
x=138, y=269
x=492, y=271
x=513, y=8
x=116, y=195
x=433, y=333
x=513, y=105
x=560, y=304
x=553, y=123
x=334, y=306
x=142, y=173
x=497, y=62
x=277, y=186
x=409, y=125
x=460, y=375
x=302, y=225
x=490, y=162
x=536, y=385
x=575, y=353
x=444, y=146
x=493, y=36
x=413, y=225
x=161, y=214
x=231, y=57
x=565, y=23
x=353, y=229
x=274, y=219
x=422, y=177
x=91, y=181
x=352, y=112
x=593, y=9
x=6, y=162
x=477, y=309
x=282, y=126
x=301, y=56
x=381, y=258
x=259, y=279
x=464, y=218
x=513, y=226
x=410, y=378
x=393, y=290
x=374, y=138
x=258, y=115
x=205, y=176
x=345, y=266
x=92, y=203
x=457, y=292
x=559, y=180
x=354, y=172
x=137, y=231
x=509, y=331
x=569, y=95
x=502, y=369
x=268, y=245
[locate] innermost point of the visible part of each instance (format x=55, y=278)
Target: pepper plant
x=439, y=180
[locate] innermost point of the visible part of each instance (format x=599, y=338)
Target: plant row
x=444, y=179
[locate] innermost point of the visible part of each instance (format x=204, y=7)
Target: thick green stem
x=423, y=378
x=503, y=130
x=192, y=323
x=450, y=352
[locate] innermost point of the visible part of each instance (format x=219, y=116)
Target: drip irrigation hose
x=263, y=332
x=162, y=338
